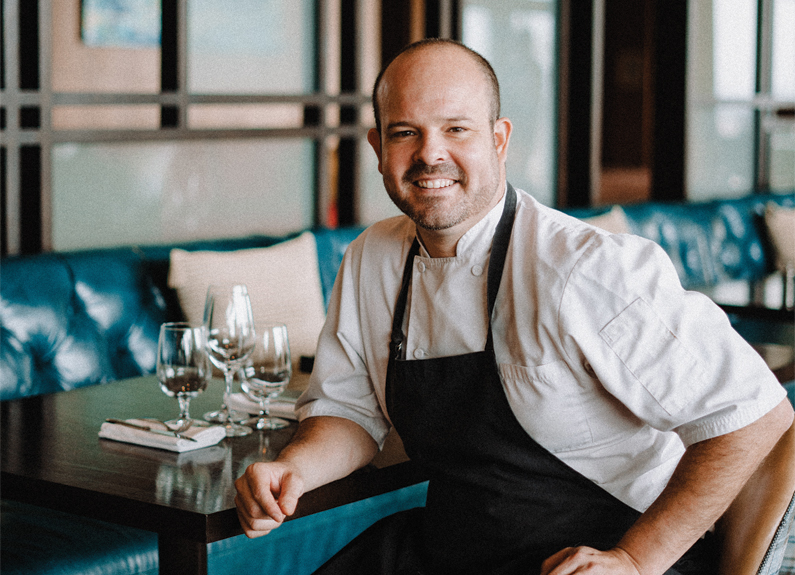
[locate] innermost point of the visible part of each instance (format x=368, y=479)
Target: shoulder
x=384, y=236
x=379, y=249
x=590, y=254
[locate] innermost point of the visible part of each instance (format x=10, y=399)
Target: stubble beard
x=432, y=212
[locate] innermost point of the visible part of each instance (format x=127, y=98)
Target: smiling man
x=444, y=169
x=576, y=410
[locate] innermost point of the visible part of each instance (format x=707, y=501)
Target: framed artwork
x=120, y=23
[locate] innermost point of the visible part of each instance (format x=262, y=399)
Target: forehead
x=440, y=80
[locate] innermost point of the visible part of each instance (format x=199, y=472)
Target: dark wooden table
x=52, y=456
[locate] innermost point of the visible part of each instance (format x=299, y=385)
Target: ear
x=502, y=137
x=374, y=137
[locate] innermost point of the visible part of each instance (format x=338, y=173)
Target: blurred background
x=156, y=121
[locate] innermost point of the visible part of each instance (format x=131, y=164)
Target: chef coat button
x=477, y=270
x=419, y=353
x=421, y=267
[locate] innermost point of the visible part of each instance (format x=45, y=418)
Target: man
x=577, y=411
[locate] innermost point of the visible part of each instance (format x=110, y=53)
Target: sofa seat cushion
x=302, y=545
x=47, y=542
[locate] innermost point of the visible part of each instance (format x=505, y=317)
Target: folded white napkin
x=282, y=406
x=204, y=436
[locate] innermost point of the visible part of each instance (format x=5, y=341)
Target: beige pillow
x=780, y=223
x=283, y=283
x=614, y=221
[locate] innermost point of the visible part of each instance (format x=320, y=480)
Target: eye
x=457, y=129
x=402, y=134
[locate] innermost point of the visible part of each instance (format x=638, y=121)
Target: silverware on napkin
x=168, y=433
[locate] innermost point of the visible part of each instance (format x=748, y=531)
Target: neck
x=439, y=243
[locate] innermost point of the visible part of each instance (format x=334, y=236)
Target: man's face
x=441, y=154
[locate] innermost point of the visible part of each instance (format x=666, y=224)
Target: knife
x=168, y=433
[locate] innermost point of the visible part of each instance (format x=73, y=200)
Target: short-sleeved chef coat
x=605, y=359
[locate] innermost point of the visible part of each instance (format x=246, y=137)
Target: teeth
x=433, y=184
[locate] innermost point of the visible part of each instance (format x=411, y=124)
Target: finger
x=245, y=500
x=255, y=528
x=291, y=490
x=552, y=562
x=263, y=486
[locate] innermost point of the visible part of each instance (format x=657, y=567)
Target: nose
x=431, y=149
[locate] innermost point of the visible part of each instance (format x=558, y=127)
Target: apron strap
x=396, y=343
x=499, y=250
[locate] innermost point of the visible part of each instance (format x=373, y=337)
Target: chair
x=754, y=529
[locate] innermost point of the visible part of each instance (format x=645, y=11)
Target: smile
x=434, y=184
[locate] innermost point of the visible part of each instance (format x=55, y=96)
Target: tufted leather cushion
x=70, y=320
x=708, y=242
x=331, y=246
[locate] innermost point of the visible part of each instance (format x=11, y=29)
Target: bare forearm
x=708, y=478
x=328, y=448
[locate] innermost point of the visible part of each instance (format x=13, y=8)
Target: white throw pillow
x=614, y=221
x=283, y=283
x=780, y=223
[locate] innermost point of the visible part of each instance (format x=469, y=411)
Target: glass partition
x=740, y=96
x=721, y=75
x=109, y=194
x=518, y=38
x=251, y=47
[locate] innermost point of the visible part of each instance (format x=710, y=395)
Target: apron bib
x=494, y=493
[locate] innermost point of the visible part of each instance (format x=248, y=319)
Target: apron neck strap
x=499, y=246
x=499, y=250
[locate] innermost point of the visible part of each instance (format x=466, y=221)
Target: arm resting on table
x=322, y=450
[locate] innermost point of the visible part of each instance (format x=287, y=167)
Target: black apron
x=497, y=501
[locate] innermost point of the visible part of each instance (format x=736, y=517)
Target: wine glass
x=230, y=340
x=268, y=372
x=183, y=367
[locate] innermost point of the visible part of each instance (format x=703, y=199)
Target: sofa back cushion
x=780, y=222
x=714, y=241
x=70, y=320
x=283, y=283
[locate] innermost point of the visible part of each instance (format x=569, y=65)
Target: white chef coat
x=606, y=360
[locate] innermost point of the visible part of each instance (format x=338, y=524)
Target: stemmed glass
x=183, y=367
x=268, y=372
x=230, y=340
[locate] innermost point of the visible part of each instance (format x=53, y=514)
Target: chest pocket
x=548, y=403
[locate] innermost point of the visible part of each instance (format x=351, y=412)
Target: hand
x=267, y=493
x=590, y=561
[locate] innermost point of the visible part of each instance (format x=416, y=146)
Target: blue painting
x=121, y=23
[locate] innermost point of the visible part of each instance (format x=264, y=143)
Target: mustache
x=446, y=170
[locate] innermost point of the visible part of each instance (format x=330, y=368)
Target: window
x=235, y=122
x=160, y=121
x=741, y=98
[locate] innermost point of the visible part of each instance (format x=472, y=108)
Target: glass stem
x=184, y=405
x=228, y=379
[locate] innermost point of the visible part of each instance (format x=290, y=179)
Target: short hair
x=484, y=65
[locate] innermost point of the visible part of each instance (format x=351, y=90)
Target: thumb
x=291, y=489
